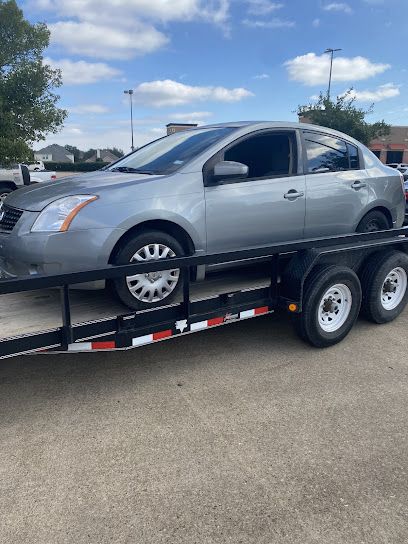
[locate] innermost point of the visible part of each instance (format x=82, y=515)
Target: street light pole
x=130, y=93
x=331, y=51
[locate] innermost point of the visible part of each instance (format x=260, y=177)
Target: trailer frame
x=290, y=264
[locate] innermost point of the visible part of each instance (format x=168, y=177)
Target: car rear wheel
x=150, y=289
x=331, y=303
x=373, y=221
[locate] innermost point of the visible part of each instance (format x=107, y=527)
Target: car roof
x=279, y=124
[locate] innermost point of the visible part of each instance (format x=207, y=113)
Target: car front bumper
x=24, y=253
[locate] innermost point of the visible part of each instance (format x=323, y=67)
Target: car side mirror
x=230, y=170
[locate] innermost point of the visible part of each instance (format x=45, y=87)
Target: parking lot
x=239, y=434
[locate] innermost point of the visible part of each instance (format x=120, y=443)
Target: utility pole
x=331, y=51
x=130, y=93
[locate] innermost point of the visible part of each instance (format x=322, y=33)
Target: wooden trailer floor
x=34, y=311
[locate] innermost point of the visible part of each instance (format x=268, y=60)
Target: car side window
x=271, y=154
x=354, y=159
x=325, y=153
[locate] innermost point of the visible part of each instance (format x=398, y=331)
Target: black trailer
x=324, y=283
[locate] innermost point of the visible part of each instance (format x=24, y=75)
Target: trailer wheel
x=331, y=303
x=384, y=282
x=143, y=291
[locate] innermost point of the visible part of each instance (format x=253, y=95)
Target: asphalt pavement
x=239, y=434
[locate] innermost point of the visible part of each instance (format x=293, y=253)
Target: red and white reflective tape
x=149, y=338
x=87, y=346
x=199, y=325
x=180, y=328
x=255, y=311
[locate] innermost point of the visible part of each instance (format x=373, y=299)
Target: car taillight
x=53, y=178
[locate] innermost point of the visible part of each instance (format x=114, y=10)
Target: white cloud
x=125, y=10
x=262, y=7
x=338, y=6
x=389, y=90
x=82, y=72
x=316, y=23
x=88, y=108
x=95, y=40
x=261, y=76
x=167, y=92
x=122, y=29
x=312, y=69
x=272, y=23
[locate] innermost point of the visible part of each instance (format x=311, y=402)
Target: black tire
x=307, y=322
x=373, y=277
x=373, y=222
x=124, y=256
x=4, y=190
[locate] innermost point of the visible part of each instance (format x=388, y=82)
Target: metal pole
x=331, y=51
x=131, y=117
x=130, y=93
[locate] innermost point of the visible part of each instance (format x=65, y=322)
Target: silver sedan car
x=211, y=189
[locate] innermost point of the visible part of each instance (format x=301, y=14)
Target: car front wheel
x=150, y=289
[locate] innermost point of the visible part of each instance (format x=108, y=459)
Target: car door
x=336, y=185
x=266, y=207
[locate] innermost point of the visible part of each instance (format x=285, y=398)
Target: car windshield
x=170, y=153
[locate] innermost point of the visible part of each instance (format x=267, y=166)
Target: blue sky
x=216, y=60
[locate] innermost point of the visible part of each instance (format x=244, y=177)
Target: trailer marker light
x=292, y=307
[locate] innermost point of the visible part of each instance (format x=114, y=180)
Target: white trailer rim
x=334, y=307
x=394, y=288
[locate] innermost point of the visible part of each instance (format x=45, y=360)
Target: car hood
x=36, y=197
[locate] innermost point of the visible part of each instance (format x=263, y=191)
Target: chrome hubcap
x=334, y=307
x=394, y=288
x=153, y=286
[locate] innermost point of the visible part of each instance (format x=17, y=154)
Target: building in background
x=103, y=155
x=178, y=127
x=389, y=149
x=53, y=153
x=392, y=148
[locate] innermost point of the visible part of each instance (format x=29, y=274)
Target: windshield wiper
x=129, y=170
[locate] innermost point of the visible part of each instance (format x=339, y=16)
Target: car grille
x=9, y=217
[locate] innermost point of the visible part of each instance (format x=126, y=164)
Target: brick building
x=178, y=127
x=392, y=148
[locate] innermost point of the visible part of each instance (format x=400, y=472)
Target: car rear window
x=327, y=153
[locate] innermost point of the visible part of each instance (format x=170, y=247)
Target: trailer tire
x=158, y=283
x=384, y=281
x=331, y=304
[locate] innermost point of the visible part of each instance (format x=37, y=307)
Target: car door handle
x=293, y=194
x=358, y=185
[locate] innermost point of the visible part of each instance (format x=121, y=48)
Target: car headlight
x=57, y=216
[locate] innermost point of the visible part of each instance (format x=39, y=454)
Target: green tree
x=343, y=115
x=28, y=107
x=116, y=151
x=74, y=151
x=88, y=154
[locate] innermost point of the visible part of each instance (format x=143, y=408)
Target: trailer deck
x=35, y=311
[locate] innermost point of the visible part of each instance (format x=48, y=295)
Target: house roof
x=59, y=153
x=106, y=156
